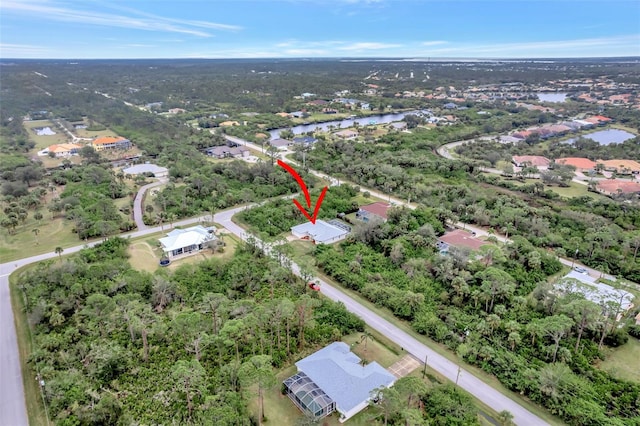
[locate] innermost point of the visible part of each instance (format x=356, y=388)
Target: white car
x=580, y=270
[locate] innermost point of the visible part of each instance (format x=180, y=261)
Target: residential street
x=12, y=407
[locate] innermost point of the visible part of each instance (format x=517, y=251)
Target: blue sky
x=85, y=29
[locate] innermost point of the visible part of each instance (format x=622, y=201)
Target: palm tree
x=58, y=251
x=36, y=231
x=366, y=335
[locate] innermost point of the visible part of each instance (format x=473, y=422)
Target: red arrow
x=305, y=191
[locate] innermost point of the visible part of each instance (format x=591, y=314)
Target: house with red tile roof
x=581, y=164
x=110, y=142
x=617, y=186
x=531, y=160
x=374, y=210
x=61, y=150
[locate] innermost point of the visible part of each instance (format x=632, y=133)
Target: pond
x=552, y=97
x=606, y=137
x=342, y=124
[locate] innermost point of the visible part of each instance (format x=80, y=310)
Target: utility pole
x=424, y=371
x=458, y=375
x=574, y=258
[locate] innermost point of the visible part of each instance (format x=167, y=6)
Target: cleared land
x=622, y=362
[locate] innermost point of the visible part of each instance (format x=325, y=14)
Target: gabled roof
x=180, y=238
x=379, y=209
x=615, y=185
x=336, y=370
x=279, y=142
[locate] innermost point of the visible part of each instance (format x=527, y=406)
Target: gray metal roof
x=144, y=168
x=336, y=370
x=321, y=231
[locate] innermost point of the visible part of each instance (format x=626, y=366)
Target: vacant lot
x=622, y=362
x=24, y=242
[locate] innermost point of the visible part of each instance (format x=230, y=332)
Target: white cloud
x=147, y=22
x=368, y=46
x=433, y=43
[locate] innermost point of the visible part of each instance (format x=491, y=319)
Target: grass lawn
x=44, y=141
x=145, y=253
x=35, y=406
x=622, y=362
x=23, y=243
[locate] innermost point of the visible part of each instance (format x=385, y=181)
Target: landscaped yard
x=622, y=362
x=280, y=411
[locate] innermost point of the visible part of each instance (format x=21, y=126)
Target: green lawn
x=622, y=362
x=23, y=243
x=44, y=141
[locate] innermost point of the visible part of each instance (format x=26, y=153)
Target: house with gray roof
x=321, y=232
x=143, y=169
x=333, y=379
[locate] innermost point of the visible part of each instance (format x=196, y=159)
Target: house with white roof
x=612, y=300
x=333, y=379
x=321, y=232
x=179, y=242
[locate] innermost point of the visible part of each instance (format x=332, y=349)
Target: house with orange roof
x=580, y=163
x=617, y=186
x=61, y=150
x=110, y=142
x=374, y=210
x=531, y=160
x=460, y=239
x=623, y=167
x=598, y=120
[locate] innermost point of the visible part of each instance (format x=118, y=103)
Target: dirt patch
x=142, y=257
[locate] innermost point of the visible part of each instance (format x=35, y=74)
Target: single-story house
x=581, y=164
x=450, y=105
x=347, y=134
x=598, y=120
x=305, y=140
x=226, y=151
x=617, y=186
x=61, y=150
x=141, y=169
x=281, y=144
x=611, y=299
x=621, y=166
x=187, y=241
x=332, y=379
x=321, y=232
x=459, y=239
x=110, y=142
x=531, y=160
x=374, y=210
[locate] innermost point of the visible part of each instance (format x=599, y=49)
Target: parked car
x=580, y=270
x=314, y=286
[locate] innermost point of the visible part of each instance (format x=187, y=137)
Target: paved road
x=138, y=212
x=442, y=365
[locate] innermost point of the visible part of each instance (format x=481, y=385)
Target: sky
x=88, y=29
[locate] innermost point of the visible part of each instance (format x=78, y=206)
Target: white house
x=187, y=241
x=321, y=232
x=332, y=379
